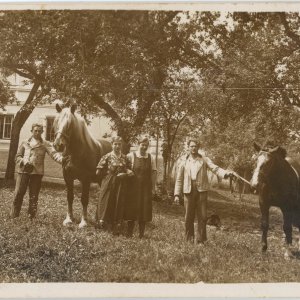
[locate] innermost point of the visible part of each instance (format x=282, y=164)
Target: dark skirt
x=138, y=204
x=110, y=206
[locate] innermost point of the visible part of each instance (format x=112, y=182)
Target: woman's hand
x=122, y=175
x=129, y=173
x=176, y=200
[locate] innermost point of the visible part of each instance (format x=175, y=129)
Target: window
x=50, y=134
x=5, y=126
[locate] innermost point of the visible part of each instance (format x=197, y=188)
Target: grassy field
x=45, y=251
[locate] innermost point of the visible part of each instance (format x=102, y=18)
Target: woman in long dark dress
x=113, y=169
x=139, y=203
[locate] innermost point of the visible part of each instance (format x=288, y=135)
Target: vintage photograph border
x=150, y=290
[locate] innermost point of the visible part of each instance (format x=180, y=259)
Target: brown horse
x=276, y=179
x=81, y=156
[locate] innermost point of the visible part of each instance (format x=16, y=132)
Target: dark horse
x=81, y=155
x=276, y=179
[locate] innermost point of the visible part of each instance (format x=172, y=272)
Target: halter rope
x=67, y=137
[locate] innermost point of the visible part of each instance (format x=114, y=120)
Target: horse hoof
x=67, y=222
x=288, y=254
x=82, y=224
x=264, y=248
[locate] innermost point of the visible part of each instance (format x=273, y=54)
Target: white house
x=44, y=114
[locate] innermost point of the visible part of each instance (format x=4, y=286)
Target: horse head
x=267, y=154
x=62, y=126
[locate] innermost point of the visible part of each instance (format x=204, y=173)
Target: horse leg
x=84, y=201
x=70, y=197
x=264, y=226
x=298, y=238
x=296, y=222
x=287, y=228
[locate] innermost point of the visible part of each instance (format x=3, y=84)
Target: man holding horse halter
x=192, y=180
x=30, y=169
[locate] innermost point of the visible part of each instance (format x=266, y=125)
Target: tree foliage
x=227, y=78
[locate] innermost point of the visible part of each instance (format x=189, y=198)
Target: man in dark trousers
x=30, y=169
x=192, y=181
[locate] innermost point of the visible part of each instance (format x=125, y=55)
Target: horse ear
x=73, y=108
x=281, y=151
x=58, y=108
x=256, y=146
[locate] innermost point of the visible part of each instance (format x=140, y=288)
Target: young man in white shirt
x=192, y=181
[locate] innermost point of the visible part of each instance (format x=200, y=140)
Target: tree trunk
x=156, y=149
x=165, y=163
x=17, y=124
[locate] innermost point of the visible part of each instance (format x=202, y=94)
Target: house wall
x=98, y=126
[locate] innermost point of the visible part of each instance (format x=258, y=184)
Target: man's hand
x=176, y=200
x=28, y=167
x=229, y=174
x=65, y=160
x=23, y=162
x=58, y=157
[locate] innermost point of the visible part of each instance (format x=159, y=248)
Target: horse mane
x=281, y=152
x=83, y=131
x=85, y=151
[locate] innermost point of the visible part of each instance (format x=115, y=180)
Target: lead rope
x=242, y=178
x=238, y=177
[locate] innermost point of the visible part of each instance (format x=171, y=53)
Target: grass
x=45, y=251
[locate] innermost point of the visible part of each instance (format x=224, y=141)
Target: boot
x=141, y=229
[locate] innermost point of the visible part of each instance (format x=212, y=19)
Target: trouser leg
x=202, y=216
x=142, y=225
x=189, y=204
x=34, y=190
x=130, y=227
x=20, y=190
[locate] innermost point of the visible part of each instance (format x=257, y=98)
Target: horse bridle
x=261, y=173
x=67, y=137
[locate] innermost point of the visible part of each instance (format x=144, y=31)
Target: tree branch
x=289, y=32
x=98, y=100
x=31, y=96
x=176, y=129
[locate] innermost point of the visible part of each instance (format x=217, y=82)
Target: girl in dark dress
x=113, y=169
x=139, y=202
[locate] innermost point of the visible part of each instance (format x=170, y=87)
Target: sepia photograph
x=150, y=144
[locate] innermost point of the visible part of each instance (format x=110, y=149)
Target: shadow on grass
x=296, y=254
x=234, y=214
